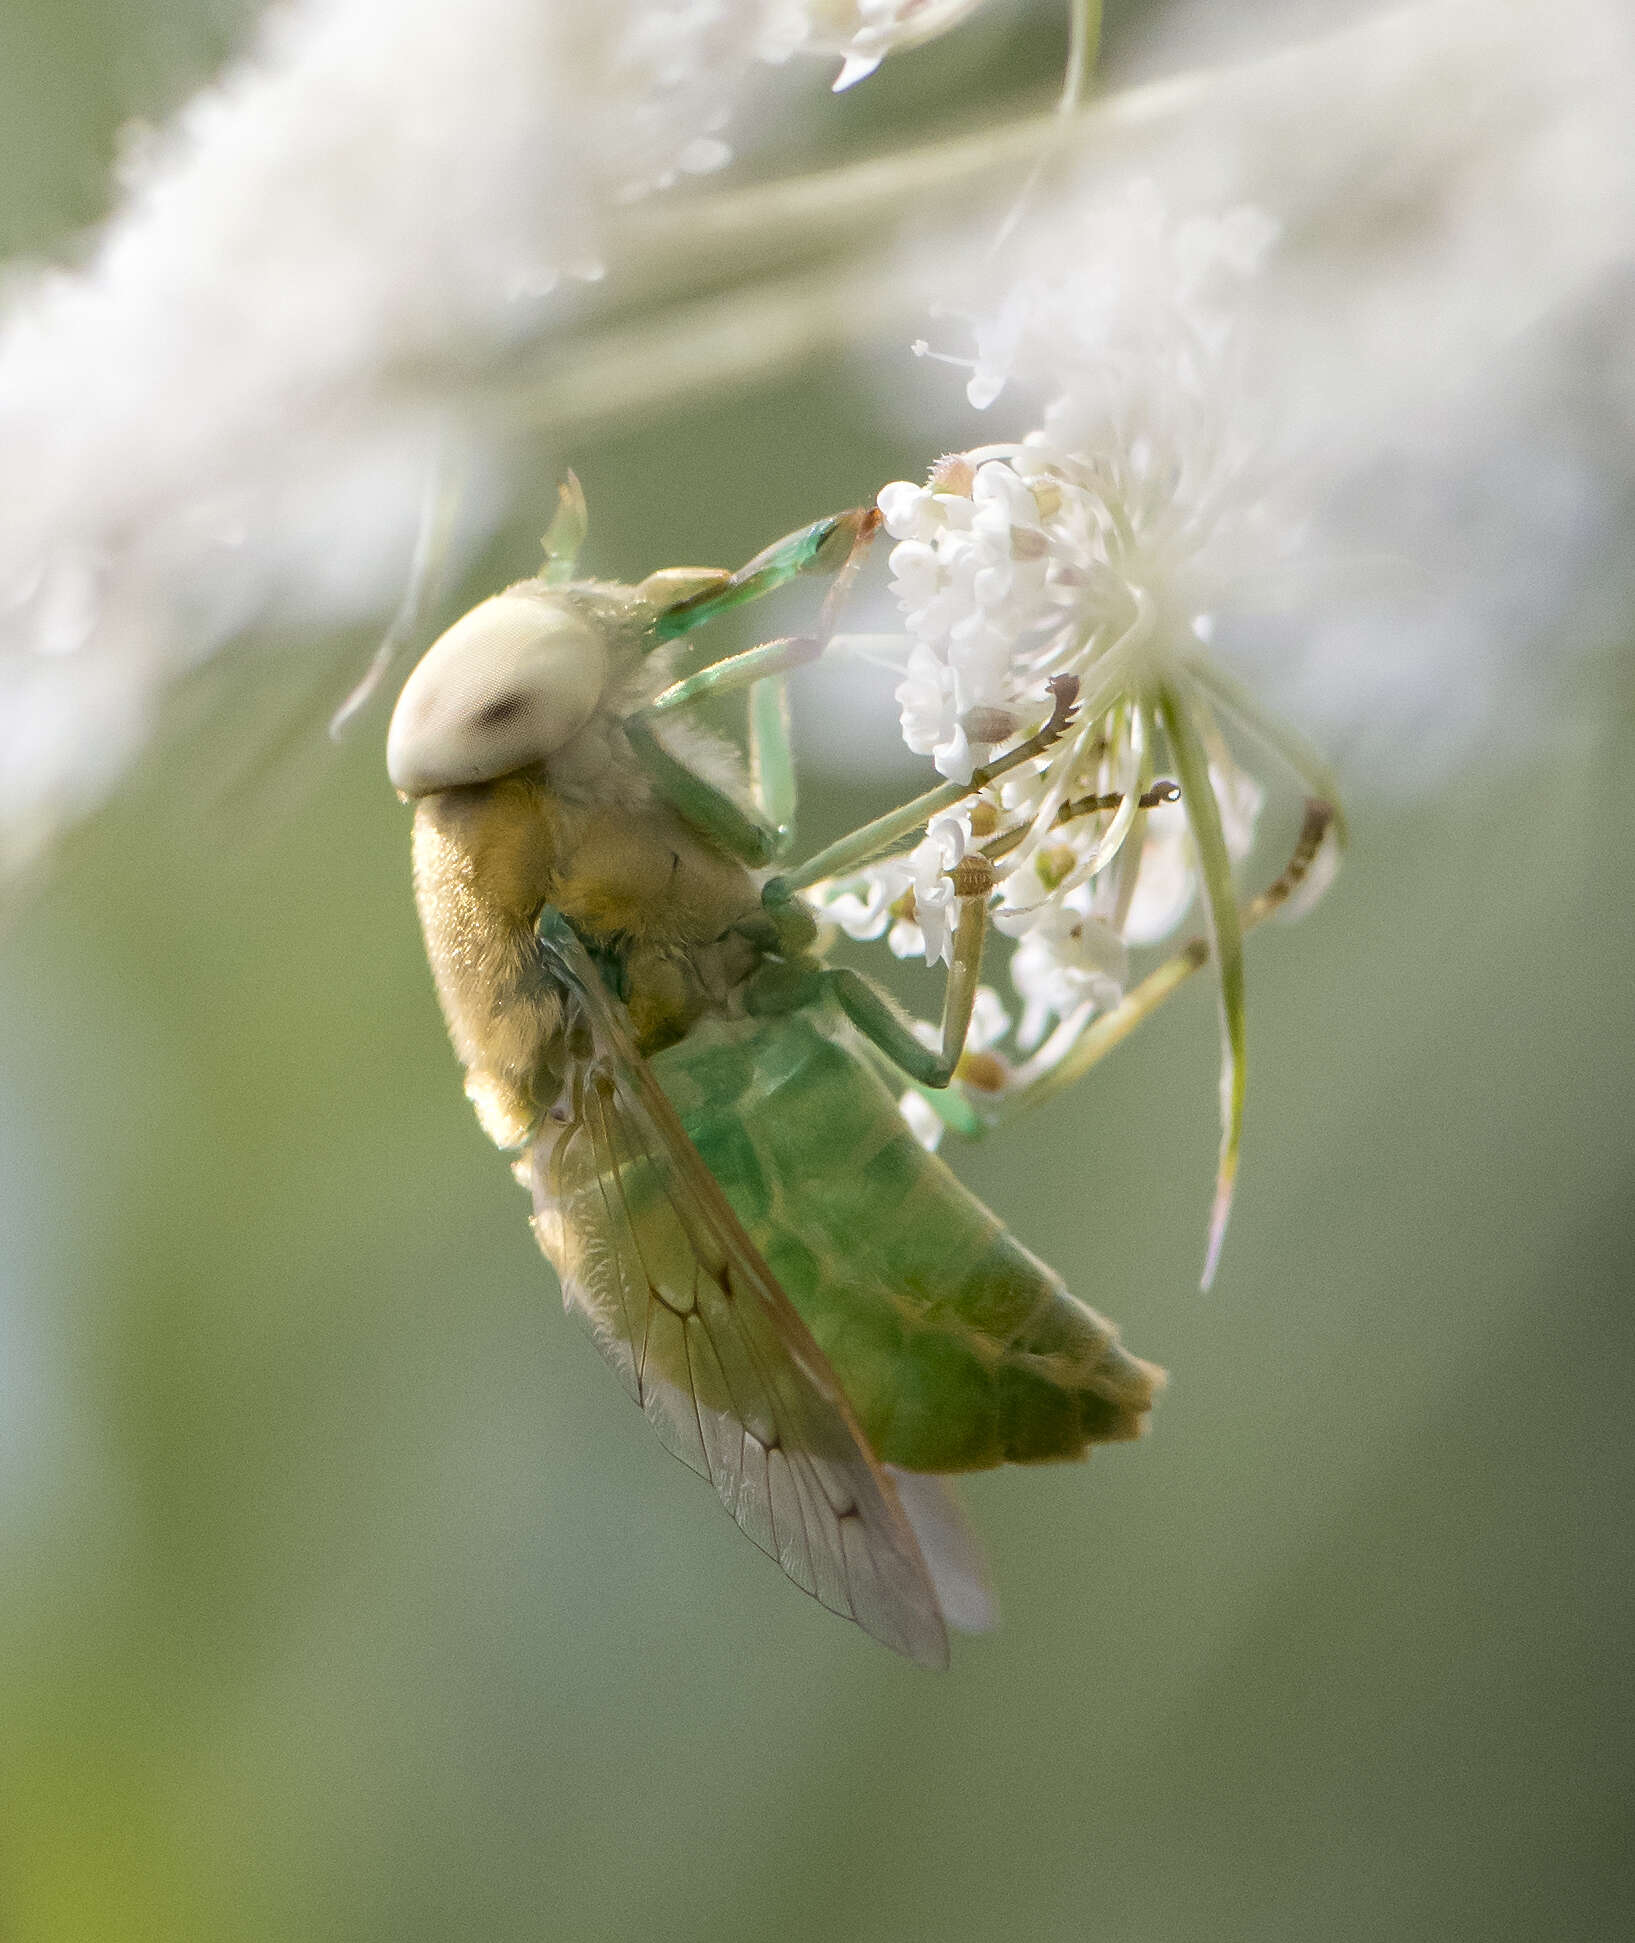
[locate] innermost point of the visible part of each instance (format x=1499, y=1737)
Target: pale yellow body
x=490, y=856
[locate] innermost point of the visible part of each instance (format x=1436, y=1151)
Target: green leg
x=771, y=759
x=878, y=1022
x=742, y=833
x=736, y=671
x=764, y=832
x=783, y=987
x=760, y=833
x=954, y=1109
x=837, y=542
x=771, y=764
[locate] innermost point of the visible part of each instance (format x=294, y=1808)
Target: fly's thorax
x=669, y=991
x=638, y=871
x=642, y=886
x=636, y=881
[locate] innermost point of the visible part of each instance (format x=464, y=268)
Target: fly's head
x=506, y=688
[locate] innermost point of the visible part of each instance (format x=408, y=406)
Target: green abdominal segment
x=957, y=1348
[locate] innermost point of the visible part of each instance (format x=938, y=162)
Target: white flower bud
x=909, y=511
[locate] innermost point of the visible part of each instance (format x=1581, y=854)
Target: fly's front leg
x=761, y=831
x=772, y=758
x=741, y=831
x=833, y=545
x=836, y=545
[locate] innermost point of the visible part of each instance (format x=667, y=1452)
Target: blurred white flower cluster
x=1106, y=535
x=222, y=422
x=662, y=77
x=861, y=32
x=1377, y=477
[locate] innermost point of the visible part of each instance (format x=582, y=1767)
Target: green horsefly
x=811, y=1310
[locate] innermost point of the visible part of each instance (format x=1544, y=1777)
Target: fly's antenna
x=565, y=536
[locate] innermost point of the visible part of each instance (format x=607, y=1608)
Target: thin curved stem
x=1083, y=52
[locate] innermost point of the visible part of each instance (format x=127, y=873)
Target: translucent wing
x=951, y=1549
x=686, y=1310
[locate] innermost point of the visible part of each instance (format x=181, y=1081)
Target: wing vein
x=750, y=1393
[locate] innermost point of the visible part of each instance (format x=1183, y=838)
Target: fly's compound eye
x=501, y=714
x=505, y=687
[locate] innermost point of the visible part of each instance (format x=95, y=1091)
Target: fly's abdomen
x=958, y=1348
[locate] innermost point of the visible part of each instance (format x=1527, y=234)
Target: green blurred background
x=342, y=1595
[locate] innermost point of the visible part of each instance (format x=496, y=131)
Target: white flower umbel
x=907, y=900
x=1066, y=960
x=1093, y=546
x=932, y=863
x=1091, y=553
x=866, y=905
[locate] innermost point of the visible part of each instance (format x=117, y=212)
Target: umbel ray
x=809, y=1307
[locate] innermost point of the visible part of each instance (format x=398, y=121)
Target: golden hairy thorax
x=633, y=879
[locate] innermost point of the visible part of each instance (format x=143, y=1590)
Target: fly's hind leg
x=782, y=985
x=796, y=980
x=871, y=840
